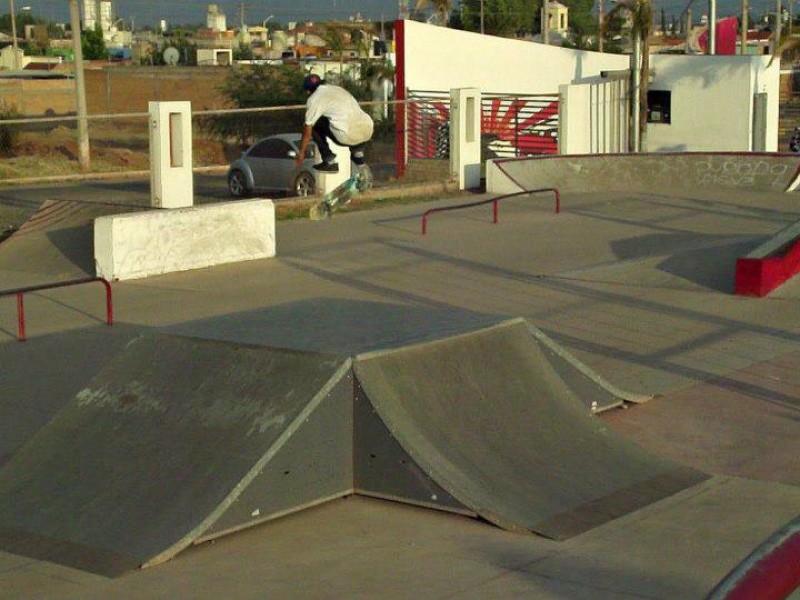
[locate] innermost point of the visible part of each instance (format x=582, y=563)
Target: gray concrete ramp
x=165, y=446
x=487, y=417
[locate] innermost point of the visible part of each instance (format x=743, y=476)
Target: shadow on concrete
x=76, y=244
x=705, y=260
x=336, y=325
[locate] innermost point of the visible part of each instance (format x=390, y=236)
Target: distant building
x=558, y=18
x=98, y=12
x=215, y=20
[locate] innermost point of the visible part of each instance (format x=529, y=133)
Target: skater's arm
x=303, y=145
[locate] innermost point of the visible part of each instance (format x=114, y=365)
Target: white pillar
x=327, y=182
x=171, y=181
x=465, y=136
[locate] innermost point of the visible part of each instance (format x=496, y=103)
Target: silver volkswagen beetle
x=269, y=165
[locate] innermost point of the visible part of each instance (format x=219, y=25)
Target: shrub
x=9, y=134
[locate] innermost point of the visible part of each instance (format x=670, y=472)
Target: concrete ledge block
x=136, y=245
x=770, y=265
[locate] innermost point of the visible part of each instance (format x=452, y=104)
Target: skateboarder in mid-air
x=332, y=113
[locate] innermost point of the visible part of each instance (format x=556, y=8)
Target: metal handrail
x=495, y=202
x=19, y=293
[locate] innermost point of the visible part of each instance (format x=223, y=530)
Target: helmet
x=312, y=82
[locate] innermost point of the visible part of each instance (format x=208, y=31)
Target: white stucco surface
x=171, y=177
x=136, y=245
x=438, y=58
x=465, y=133
x=712, y=102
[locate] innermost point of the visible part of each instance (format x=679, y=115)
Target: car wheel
x=237, y=184
x=304, y=185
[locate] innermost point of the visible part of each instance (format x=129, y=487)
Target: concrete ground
x=639, y=286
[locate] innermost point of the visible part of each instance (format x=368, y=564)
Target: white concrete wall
x=712, y=96
x=712, y=102
x=440, y=59
x=136, y=245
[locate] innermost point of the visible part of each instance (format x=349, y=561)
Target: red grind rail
x=493, y=201
x=770, y=572
x=20, y=292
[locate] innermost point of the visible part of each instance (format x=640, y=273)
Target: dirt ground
x=112, y=147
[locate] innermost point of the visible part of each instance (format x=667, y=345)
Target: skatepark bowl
x=584, y=377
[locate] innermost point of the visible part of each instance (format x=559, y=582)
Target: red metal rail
x=19, y=293
x=494, y=201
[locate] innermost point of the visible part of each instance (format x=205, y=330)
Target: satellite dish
x=171, y=56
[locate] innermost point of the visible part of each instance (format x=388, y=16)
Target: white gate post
x=327, y=182
x=171, y=182
x=465, y=136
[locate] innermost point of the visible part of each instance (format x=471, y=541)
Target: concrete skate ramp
x=644, y=172
x=160, y=449
x=55, y=243
x=488, y=418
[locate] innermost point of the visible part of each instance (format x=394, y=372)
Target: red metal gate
x=511, y=126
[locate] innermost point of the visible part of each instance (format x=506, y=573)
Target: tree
x=501, y=17
x=641, y=23
x=582, y=24
x=92, y=44
x=336, y=38
x=256, y=87
x=442, y=9
x=243, y=52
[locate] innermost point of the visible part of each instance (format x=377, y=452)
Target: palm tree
x=441, y=7
x=641, y=24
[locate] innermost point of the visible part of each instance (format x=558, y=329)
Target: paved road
x=17, y=203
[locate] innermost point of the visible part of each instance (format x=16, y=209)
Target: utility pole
x=481, y=16
x=745, y=27
x=712, y=26
x=546, y=22
x=688, y=27
x=14, y=36
x=600, y=16
x=80, y=87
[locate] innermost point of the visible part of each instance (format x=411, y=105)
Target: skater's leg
x=320, y=133
x=357, y=154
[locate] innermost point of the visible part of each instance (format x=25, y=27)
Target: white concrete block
x=136, y=245
x=171, y=178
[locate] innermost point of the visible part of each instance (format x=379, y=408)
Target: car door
x=272, y=164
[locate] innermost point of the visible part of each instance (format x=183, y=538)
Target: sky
x=149, y=12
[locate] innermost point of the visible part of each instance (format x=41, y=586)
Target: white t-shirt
x=349, y=123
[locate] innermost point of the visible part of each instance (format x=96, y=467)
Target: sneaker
x=358, y=160
x=327, y=167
